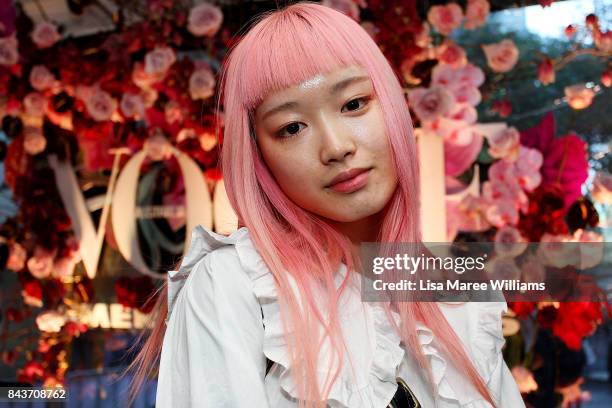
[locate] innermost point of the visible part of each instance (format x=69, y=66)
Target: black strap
x=404, y=397
x=269, y=364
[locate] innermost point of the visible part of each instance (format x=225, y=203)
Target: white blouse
x=224, y=320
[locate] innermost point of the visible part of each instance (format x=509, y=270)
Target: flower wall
x=150, y=85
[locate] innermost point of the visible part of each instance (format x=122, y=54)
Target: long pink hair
x=283, y=48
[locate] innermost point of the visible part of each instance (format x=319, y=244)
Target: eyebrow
x=333, y=90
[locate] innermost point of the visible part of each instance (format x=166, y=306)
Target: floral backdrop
x=150, y=84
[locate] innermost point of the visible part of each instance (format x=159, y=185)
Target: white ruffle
x=202, y=243
x=486, y=345
x=387, y=356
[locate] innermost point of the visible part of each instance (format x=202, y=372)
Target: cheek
x=294, y=173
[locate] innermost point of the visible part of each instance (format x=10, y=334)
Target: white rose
x=41, y=78
x=100, y=105
x=159, y=60
x=45, y=34
x=50, y=321
x=501, y=56
x=204, y=20
x=9, y=55
x=202, y=83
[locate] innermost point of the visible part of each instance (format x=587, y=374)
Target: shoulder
x=479, y=326
x=212, y=262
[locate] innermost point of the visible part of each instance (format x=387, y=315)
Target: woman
x=318, y=157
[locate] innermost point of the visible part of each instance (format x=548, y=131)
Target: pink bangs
x=316, y=47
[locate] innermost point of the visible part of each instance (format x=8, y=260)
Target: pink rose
x=34, y=141
x=453, y=131
x=466, y=94
x=579, y=96
x=204, y=20
x=35, y=104
x=462, y=82
x=464, y=113
x=558, y=251
x=546, y=71
x=445, y=18
x=527, y=168
x=132, y=106
x=41, y=78
x=202, y=83
x=509, y=242
x=452, y=54
x=602, y=188
x=430, y=103
x=157, y=147
x=347, y=7
x=41, y=263
x=159, y=60
x=470, y=74
x=591, y=248
x=502, y=212
x=468, y=214
x=50, y=321
x=100, y=105
x=17, y=257
x=9, y=55
x=45, y=34
x=476, y=13
x=501, y=56
x=504, y=194
x=458, y=157
x=504, y=144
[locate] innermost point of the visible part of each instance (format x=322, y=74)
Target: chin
x=352, y=216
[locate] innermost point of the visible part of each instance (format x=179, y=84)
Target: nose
x=337, y=141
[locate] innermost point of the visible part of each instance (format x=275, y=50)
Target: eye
x=354, y=104
x=292, y=129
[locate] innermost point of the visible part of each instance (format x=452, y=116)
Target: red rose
x=576, y=320
x=74, y=329
x=32, y=293
x=522, y=309
x=31, y=372
x=135, y=292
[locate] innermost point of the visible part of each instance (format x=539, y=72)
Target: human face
x=313, y=132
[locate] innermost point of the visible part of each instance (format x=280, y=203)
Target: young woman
x=318, y=157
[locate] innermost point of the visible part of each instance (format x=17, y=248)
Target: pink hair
x=288, y=237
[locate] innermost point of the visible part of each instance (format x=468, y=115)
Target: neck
x=364, y=230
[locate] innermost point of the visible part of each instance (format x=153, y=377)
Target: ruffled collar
x=379, y=385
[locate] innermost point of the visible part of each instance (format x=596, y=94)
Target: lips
x=346, y=175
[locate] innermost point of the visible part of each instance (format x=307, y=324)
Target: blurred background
x=109, y=118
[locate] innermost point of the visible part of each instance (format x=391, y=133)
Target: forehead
x=318, y=82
